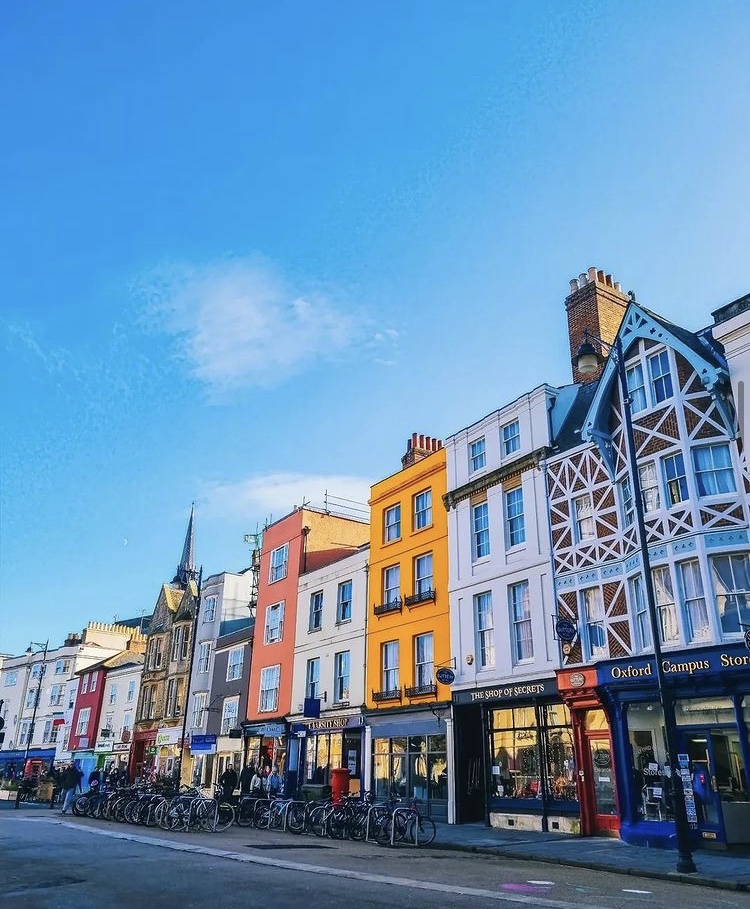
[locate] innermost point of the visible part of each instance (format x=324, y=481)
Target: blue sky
x=248, y=248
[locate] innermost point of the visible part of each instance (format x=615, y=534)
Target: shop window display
x=532, y=753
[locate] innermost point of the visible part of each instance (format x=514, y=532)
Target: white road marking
x=310, y=869
x=636, y=891
x=541, y=882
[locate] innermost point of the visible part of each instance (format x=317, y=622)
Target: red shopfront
x=597, y=784
x=143, y=754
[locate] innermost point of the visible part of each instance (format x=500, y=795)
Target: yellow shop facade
x=408, y=632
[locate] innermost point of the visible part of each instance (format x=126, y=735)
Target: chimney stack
x=595, y=304
x=419, y=447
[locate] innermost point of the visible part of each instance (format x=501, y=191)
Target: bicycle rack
x=406, y=811
x=367, y=826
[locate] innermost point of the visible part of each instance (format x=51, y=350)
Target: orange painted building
x=301, y=541
x=408, y=631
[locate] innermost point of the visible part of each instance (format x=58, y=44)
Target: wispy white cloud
x=240, y=323
x=275, y=494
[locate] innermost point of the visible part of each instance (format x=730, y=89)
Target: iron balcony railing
x=393, y=695
x=426, y=596
x=420, y=691
x=393, y=606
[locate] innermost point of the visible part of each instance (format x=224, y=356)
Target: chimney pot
x=421, y=440
x=600, y=276
x=618, y=286
x=592, y=273
x=583, y=279
x=608, y=280
x=414, y=439
x=573, y=285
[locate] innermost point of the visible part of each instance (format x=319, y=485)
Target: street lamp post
x=587, y=361
x=30, y=651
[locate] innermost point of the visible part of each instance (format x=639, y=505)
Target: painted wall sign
x=445, y=676
x=267, y=730
x=513, y=692
x=688, y=663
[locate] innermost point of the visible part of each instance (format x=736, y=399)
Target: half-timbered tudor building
x=694, y=483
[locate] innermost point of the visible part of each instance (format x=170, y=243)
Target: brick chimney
x=419, y=447
x=596, y=304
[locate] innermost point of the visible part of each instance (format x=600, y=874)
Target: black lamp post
x=30, y=651
x=588, y=360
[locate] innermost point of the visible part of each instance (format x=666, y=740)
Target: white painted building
x=329, y=672
x=120, y=699
x=502, y=600
x=227, y=604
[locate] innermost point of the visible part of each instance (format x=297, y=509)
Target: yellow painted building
x=408, y=632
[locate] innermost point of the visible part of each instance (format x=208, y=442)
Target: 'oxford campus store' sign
x=687, y=665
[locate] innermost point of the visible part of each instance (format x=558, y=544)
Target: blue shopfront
x=711, y=691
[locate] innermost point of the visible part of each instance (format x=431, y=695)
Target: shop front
x=202, y=753
x=515, y=757
x=143, y=755
x=327, y=744
x=711, y=691
x=410, y=759
x=265, y=748
x=168, y=750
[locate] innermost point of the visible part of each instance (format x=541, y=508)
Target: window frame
x=341, y=661
x=344, y=615
x=229, y=715
x=515, y=523
x=204, y=651
x=278, y=568
x=511, y=441
x=315, y=619
x=83, y=721
x=665, y=377
x=265, y=689
x=387, y=591
x=312, y=678
x=480, y=531
x=200, y=701
x=274, y=609
x=392, y=523
x=484, y=629
x=522, y=621
x=389, y=663
x=595, y=621
x=715, y=473
x=235, y=667
x=422, y=516
x=422, y=677
x=209, y=608
x=424, y=583
x=579, y=521
x=477, y=450
x=679, y=478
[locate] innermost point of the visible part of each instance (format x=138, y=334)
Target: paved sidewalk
x=728, y=870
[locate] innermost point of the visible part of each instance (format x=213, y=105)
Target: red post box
x=339, y=782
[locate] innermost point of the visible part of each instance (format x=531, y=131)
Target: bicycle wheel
x=224, y=817
x=319, y=820
x=295, y=819
x=80, y=805
x=337, y=823
x=422, y=830
x=262, y=815
x=245, y=812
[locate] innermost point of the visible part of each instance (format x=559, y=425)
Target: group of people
x=251, y=781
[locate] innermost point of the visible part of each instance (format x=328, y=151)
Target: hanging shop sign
x=522, y=691
x=203, y=744
x=445, y=676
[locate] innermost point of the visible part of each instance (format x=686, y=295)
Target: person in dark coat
x=246, y=779
x=71, y=779
x=228, y=781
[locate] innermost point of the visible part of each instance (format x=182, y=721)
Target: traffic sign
x=445, y=676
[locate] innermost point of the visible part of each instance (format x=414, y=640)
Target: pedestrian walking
x=70, y=781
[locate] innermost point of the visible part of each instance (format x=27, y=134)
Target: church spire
x=186, y=569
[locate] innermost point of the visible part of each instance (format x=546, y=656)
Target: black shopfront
x=515, y=758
